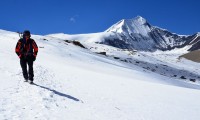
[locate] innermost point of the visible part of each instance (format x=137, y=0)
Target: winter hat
x=26, y=33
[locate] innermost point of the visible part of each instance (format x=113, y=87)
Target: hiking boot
x=25, y=80
x=31, y=82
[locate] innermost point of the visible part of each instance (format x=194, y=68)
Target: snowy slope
x=76, y=83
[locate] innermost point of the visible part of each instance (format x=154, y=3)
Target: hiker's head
x=26, y=34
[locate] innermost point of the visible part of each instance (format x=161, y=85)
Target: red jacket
x=26, y=48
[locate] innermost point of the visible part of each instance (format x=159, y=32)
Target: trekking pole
x=20, y=34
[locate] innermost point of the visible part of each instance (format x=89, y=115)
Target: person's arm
x=35, y=47
x=17, y=49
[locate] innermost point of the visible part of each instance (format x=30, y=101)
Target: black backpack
x=24, y=43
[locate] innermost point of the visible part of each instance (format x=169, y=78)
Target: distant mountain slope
x=194, y=56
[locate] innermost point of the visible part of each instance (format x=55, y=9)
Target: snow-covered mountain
x=138, y=34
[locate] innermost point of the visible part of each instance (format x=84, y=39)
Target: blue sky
x=89, y=16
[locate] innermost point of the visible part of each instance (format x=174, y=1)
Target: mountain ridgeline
x=138, y=34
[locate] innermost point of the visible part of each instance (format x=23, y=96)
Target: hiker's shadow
x=58, y=93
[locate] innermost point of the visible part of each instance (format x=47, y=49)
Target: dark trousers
x=30, y=74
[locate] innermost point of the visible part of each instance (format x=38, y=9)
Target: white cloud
x=74, y=18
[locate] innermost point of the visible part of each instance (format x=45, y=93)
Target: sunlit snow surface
x=77, y=84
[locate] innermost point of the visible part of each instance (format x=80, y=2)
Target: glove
x=34, y=58
x=21, y=56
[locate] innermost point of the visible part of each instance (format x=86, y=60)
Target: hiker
x=27, y=50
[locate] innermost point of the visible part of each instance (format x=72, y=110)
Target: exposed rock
x=193, y=80
x=183, y=77
x=116, y=58
x=77, y=43
x=102, y=53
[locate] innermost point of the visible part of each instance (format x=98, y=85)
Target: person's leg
x=30, y=70
x=23, y=64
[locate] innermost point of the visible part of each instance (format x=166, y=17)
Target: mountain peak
x=137, y=25
x=140, y=20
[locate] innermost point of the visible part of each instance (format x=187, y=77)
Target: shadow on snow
x=58, y=93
